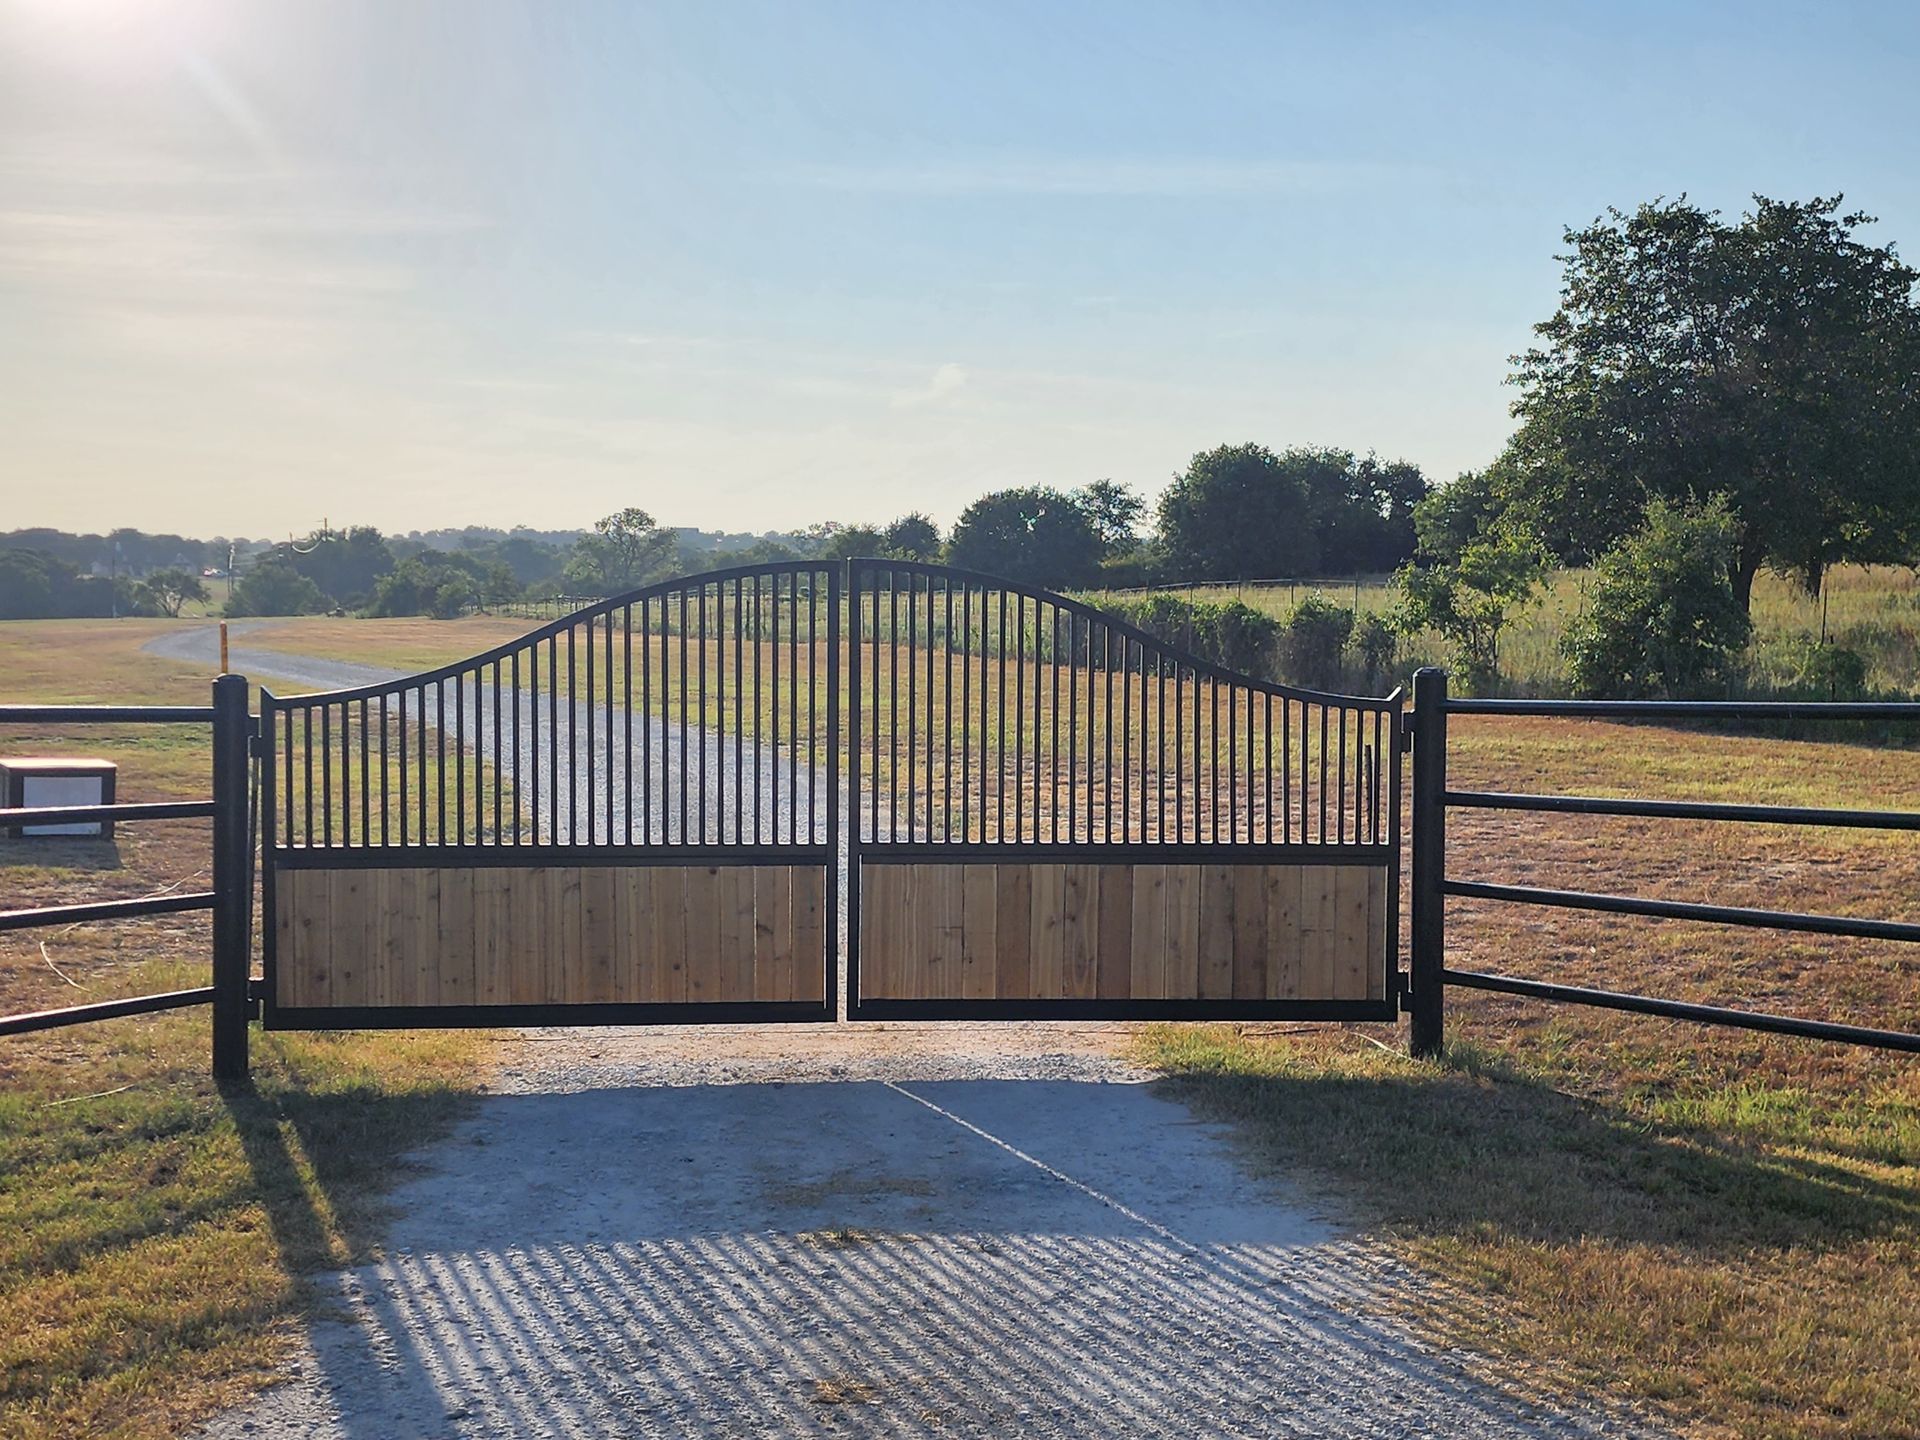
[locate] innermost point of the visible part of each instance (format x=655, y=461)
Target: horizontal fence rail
x=106, y=714
x=77, y=814
x=985, y=713
x=34, y=1020
x=1684, y=810
x=1685, y=1010
x=105, y=910
x=689, y=714
x=1432, y=885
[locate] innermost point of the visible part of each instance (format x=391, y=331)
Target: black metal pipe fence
x=230, y=899
x=1432, y=886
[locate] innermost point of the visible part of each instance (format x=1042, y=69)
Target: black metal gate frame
x=276, y=711
x=886, y=851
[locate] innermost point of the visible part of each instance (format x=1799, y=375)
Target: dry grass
x=1721, y=1224
x=155, y=1234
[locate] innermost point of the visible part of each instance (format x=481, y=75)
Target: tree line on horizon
x=1237, y=512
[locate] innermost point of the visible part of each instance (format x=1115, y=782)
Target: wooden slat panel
x=772, y=933
x=1183, y=932
x=1114, y=966
x=527, y=974
x=735, y=960
x=807, y=886
x=563, y=934
x=345, y=904
x=572, y=935
x=599, y=933
x=1013, y=931
x=1283, y=931
x=493, y=953
x=1316, y=932
x=304, y=903
x=1149, y=939
x=667, y=918
x=1351, y=951
x=1377, y=932
x=701, y=906
x=453, y=958
x=979, y=932
x=876, y=931
x=1249, y=932
x=1080, y=929
x=1216, y=932
x=1047, y=941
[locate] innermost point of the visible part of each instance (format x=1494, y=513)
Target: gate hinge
x=1406, y=741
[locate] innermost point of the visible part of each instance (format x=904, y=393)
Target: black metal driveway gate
x=626, y=816
x=1059, y=814
x=633, y=815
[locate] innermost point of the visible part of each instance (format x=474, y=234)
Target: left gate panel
x=547, y=944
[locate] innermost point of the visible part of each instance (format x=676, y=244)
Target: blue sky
x=752, y=265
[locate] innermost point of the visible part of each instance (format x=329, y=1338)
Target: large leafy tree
x=1238, y=512
x=1771, y=360
x=913, y=537
x=1035, y=534
x=346, y=565
x=1242, y=512
x=1114, y=511
x=626, y=550
x=170, y=590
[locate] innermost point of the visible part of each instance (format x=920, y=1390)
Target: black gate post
x=1429, y=860
x=232, y=892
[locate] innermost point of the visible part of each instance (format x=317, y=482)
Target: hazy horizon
x=752, y=266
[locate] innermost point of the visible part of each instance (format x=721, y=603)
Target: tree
x=1661, y=616
x=1034, y=533
x=833, y=541
x=274, y=587
x=625, y=551
x=1362, y=509
x=1471, y=597
x=912, y=537
x=1237, y=513
x=1114, y=511
x=1770, y=360
x=170, y=590
x=344, y=564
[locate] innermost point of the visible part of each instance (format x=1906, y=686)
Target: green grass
x=1744, y=1256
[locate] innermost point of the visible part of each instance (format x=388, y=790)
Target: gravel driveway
x=862, y=1232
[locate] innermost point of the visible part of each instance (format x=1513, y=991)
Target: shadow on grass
x=319, y=1161
x=59, y=852
x=1462, y=1148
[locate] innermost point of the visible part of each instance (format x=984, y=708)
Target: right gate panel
x=1057, y=814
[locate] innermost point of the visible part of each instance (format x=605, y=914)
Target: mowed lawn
x=1723, y=1225
x=154, y=1234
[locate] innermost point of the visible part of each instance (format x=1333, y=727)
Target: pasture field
x=154, y=1234
x=1874, y=610
x=1723, y=1225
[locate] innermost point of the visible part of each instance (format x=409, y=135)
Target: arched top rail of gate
x=985, y=712
x=693, y=714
